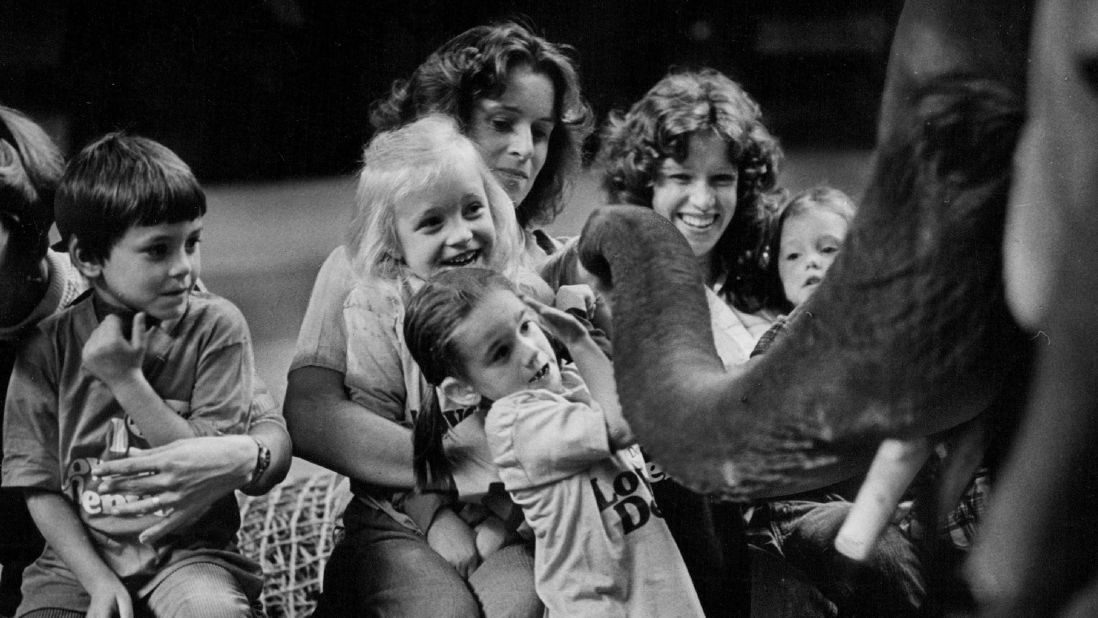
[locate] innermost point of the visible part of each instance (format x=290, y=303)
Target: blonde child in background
x=565, y=453
x=142, y=359
x=810, y=231
x=809, y=234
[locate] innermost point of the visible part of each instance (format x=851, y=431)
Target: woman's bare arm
x=330, y=430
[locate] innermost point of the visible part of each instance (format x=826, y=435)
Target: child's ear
x=88, y=266
x=460, y=392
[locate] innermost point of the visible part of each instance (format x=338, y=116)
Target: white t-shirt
x=602, y=547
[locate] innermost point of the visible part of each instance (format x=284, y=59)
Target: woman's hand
x=109, y=599
x=577, y=296
x=453, y=539
x=184, y=478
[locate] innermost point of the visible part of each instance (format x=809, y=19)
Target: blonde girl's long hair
x=400, y=165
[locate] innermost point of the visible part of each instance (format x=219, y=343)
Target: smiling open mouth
x=544, y=371
x=698, y=222
x=464, y=258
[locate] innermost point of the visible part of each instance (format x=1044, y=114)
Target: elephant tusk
x=893, y=468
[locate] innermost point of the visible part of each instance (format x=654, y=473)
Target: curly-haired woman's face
x=698, y=194
x=512, y=132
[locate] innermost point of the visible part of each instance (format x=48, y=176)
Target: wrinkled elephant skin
x=1037, y=550
x=907, y=335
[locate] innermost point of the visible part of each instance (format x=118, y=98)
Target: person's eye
x=473, y=209
x=723, y=180
x=192, y=244
x=428, y=224
x=828, y=250
x=503, y=125
x=790, y=257
x=541, y=133
x=680, y=177
x=157, y=252
x=499, y=354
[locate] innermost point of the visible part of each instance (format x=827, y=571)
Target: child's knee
x=214, y=604
x=200, y=591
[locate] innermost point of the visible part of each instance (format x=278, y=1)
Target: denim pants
x=194, y=590
x=381, y=568
x=889, y=583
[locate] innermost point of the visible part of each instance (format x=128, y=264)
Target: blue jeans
x=889, y=583
x=381, y=568
x=194, y=590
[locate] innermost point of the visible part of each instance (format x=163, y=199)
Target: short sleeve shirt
x=321, y=341
x=603, y=548
x=57, y=417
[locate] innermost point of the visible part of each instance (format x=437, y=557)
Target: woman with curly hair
x=516, y=97
x=695, y=150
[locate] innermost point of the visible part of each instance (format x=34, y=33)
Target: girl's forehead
x=495, y=309
x=816, y=217
x=458, y=176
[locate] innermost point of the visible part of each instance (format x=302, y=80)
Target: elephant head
x=909, y=334
x=1033, y=556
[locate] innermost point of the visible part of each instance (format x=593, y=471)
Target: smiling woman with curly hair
x=694, y=148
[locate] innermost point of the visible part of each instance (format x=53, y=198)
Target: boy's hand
x=576, y=296
x=565, y=327
x=109, y=356
x=491, y=534
x=453, y=539
x=110, y=599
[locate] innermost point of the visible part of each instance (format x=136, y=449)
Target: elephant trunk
x=908, y=335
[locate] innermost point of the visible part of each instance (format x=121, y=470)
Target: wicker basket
x=290, y=532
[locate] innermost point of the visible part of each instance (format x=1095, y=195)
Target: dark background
x=268, y=102
x=251, y=90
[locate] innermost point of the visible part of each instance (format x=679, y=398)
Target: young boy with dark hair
x=142, y=359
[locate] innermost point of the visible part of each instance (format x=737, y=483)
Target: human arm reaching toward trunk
x=593, y=365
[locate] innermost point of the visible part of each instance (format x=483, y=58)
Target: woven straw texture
x=290, y=532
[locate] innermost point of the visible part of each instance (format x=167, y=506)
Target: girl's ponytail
x=431, y=317
x=431, y=466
